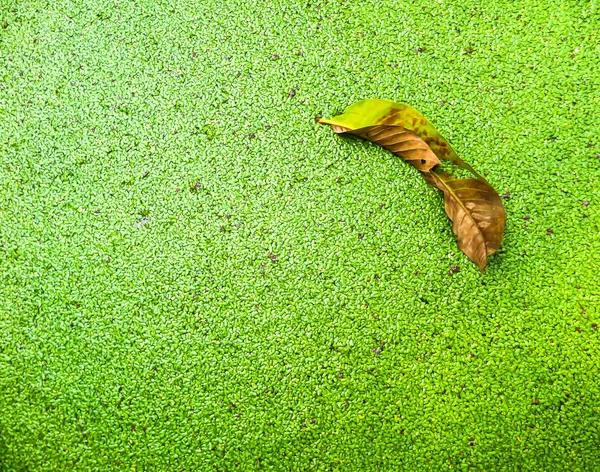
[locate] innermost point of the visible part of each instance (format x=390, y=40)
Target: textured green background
x=196, y=276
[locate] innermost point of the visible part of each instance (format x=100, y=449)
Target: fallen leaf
x=400, y=141
x=476, y=212
x=471, y=203
x=374, y=112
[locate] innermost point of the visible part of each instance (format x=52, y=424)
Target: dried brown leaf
x=398, y=140
x=476, y=211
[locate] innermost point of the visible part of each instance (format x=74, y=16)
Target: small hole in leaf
x=423, y=161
